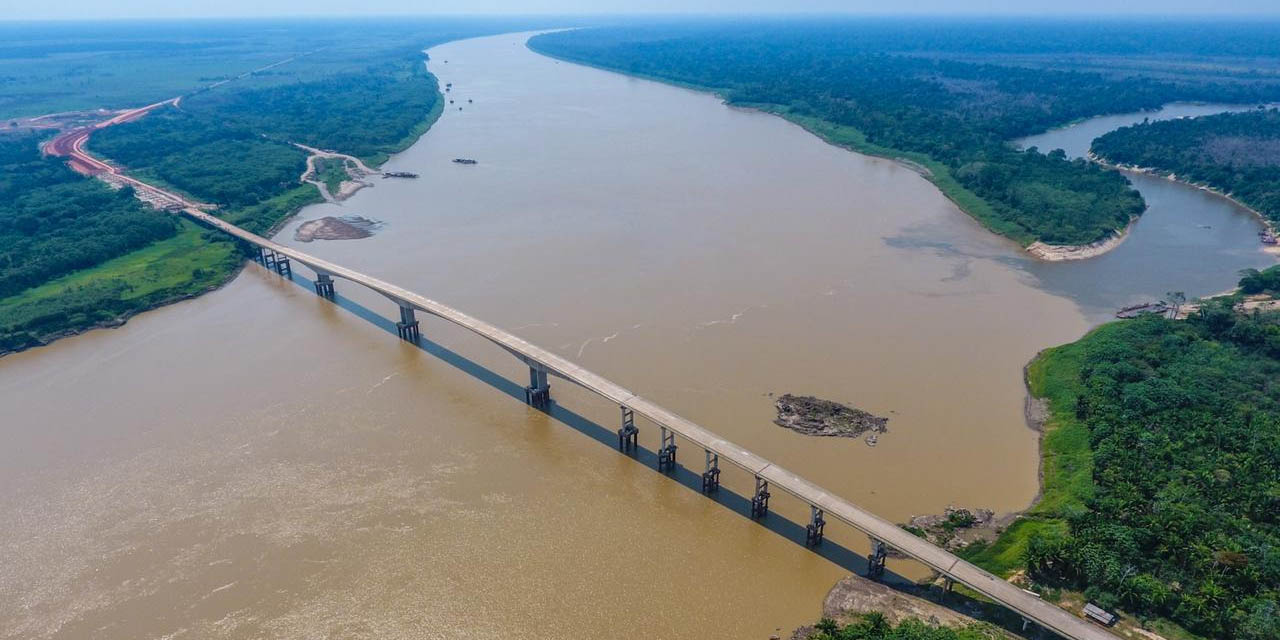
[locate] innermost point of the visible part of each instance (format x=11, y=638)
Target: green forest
x=1235, y=153
x=1161, y=472
x=367, y=114
x=958, y=116
x=874, y=626
x=216, y=162
x=53, y=221
x=75, y=254
x=1253, y=281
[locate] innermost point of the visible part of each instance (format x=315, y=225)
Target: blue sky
x=93, y=9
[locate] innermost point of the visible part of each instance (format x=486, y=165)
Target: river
x=259, y=462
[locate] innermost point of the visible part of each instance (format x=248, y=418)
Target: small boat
x=464, y=161
x=399, y=174
x=1269, y=237
x=1136, y=310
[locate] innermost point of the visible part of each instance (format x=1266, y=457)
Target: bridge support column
x=408, y=325
x=947, y=584
x=257, y=254
x=711, y=477
x=282, y=267
x=538, y=393
x=875, y=559
x=760, y=501
x=667, y=451
x=324, y=286
x=813, y=531
x=628, y=434
x=268, y=258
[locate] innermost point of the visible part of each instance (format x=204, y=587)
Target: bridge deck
x=1029, y=606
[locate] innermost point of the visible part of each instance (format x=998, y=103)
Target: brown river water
x=259, y=462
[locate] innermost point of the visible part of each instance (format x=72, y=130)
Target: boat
x=399, y=174
x=1136, y=310
x=464, y=161
x=1269, y=237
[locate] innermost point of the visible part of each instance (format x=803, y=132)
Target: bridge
x=716, y=450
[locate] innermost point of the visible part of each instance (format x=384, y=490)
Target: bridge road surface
x=1028, y=605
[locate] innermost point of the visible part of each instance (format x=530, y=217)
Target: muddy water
x=262, y=463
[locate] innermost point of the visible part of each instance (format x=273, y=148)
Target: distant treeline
x=959, y=114
x=1236, y=153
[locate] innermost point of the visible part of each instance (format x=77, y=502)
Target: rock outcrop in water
x=331, y=228
x=816, y=417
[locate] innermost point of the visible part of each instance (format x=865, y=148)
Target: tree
x=1175, y=299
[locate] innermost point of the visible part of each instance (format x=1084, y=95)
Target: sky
x=98, y=9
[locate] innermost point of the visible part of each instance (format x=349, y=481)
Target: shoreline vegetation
x=1268, y=224
x=1234, y=155
x=1057, y=208
x=837, y=135
x=1053, y=545
x=195, y=261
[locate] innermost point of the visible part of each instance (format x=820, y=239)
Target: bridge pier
x=760, y=501
x=875, y=559
x=538, y=393
x=628, y=434
x=711, y=477
x=256, y=253
x=324, y=285
x=282, y=267
x=947, y=584
x=268, y=258
x=813, y=531
x=408, y=325
x=667, y=450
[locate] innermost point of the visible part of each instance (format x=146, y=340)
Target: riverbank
x=107, y=295
x=1114, y=203
x=1266, y=222
x=1061, y=252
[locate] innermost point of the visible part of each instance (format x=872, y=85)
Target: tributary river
x=259, y=462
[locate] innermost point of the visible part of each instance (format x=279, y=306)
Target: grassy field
x=1066, y=461
x=193, y=261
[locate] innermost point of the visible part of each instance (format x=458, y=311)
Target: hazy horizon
x=80, y=10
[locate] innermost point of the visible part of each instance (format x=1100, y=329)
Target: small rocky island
x=956, y=527
x=816, y=417
x=340, y=228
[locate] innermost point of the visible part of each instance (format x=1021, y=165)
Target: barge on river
x=1136, y=310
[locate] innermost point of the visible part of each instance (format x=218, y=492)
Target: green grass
x=331, y=172
x=263, y=217
x=1066, y=461
x=193, y=261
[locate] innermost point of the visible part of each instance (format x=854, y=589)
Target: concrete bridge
x=716, y=450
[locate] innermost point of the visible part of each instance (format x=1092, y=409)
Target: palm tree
x=1175, y=299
